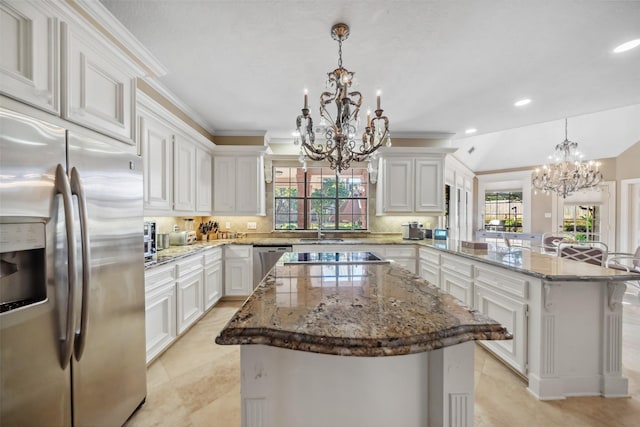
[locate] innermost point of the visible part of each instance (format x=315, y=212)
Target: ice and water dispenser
x=22, y=265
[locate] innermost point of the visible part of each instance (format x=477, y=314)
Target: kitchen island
x=413, y=342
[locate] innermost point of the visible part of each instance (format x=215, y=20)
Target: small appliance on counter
x=428, y=233
x=150, y=241
x=412, y=231
x=181, y=238
x=440, y=234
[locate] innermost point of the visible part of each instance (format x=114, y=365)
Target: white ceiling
x=442, y=66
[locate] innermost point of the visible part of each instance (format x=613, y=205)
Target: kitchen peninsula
x=305, y=318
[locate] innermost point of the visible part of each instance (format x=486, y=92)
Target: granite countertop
x=354, y=310
x=533, y=262
x=527, y=261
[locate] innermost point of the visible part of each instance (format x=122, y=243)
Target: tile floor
x=197, y=383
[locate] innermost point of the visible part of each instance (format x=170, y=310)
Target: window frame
x=306, y=200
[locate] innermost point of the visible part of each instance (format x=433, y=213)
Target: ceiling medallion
x=566, y=173
x=337, y=134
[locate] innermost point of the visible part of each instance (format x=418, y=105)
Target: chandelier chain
x=340, y=52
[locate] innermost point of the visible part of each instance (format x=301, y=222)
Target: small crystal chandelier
x=566, y=173
x=339, y=143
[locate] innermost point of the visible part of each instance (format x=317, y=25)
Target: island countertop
x=369, y=309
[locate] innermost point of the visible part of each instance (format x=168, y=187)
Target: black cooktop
x=331, y=258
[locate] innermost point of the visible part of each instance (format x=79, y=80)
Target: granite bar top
x=354, y=310
x=533, y=262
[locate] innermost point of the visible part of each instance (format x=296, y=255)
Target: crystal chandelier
x=338, y=134
x=566, y=173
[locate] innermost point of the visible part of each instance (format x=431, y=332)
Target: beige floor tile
x=197, y=382
x=222, y=412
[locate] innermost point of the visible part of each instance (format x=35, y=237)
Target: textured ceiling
x=442, y=66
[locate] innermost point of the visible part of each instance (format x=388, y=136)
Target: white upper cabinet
x=99, y=88
x=156, y=142
x=177, y=163
x=397, y=185
x=238, y=183
x=429, y=185
x=29, y=55
x=411, y=181
x=184, y=175
x=203, y=181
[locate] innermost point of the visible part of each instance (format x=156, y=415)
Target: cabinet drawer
x=159, y=276
x=212, y=255
x=237, y=251
x=457, y=265
x=400, y=252
x=190, y=265
x=429, y=256
x=512, y=284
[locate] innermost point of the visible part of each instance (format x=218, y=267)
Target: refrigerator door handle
x=63, y=187
x=81, y=333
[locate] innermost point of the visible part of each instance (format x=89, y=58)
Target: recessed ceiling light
x=470, y=131
x=627, y=46
x=522, y=102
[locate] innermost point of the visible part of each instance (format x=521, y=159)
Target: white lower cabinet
x=503, y=297
x=190, y=291
x=238, y=270
x=403, y=255
x=456, y=277
x=429, y=265
x=212, y=277
x=458, y=286
x=177, y=294
x=160, y=309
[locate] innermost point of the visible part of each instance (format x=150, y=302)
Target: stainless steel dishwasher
x=264, y=258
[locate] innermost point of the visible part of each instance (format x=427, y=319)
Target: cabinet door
x=156, y=142
x=212, y=284
x=398, y=182
x=224, y=183
x=513, y=315
x=29, y=59
x=203, y=182
x=429, y=186
x=184, y=175
x=99, y=91
x=250, y=186
x=190, y=304
x=238, y=277
x=458, y=286
x=430, y=272
x=160, y=319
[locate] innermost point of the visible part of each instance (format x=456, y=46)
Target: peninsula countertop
x=369, y=309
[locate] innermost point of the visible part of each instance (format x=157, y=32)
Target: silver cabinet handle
x=81, y=333
x=63, y=187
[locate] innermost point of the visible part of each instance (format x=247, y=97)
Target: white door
x=629, y=215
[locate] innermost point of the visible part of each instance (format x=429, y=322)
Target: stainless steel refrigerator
x=72, y=335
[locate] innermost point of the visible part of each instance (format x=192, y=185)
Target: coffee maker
x=412, y=231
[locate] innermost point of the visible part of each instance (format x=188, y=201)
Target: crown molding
x=177, y=102
x=115, y=28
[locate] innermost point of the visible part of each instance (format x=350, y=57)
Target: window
x=320, y=198
x=582, y=221
x=503, y=211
